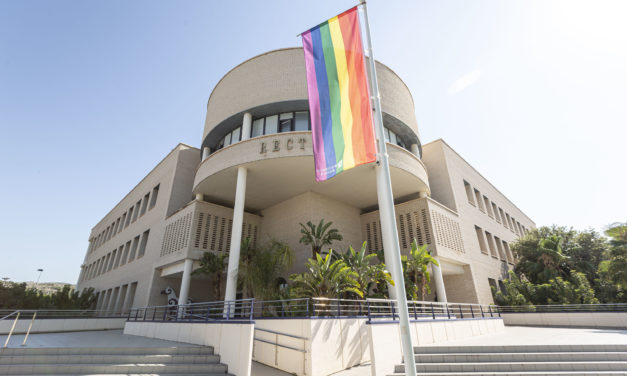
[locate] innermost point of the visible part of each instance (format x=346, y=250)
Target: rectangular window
x=469, y=196
x=257, y=129
x=510, y=254
x=499, y=247
x=496, y=213
x=131, y=256
x=130, y=214
x=386, y=132
x=144, y=204
x=117, y=224
x=127, y=247
x=117, y=260
x=136, y=211
x=122, y=222
x=301, y=121
x=488, y=207
x=509, y=222
x=272, y=124
x=490, y=240
x=503, y=218
x=113, y=254
x=393, y=138
x=142, y=244
x=235, y=136
x=227, y=140
x=478, y=200
x=285, y=125
x=481, y=240
x=153, y=197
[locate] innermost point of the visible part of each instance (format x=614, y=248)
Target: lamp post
x=39, y=276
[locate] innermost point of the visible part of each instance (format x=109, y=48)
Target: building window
x=131, y=256
x=301, y=121
x=117, y=260
x=481, y=240
x=127, y=247
x=479, y=202
x=491, y=244
x=496, y=213
x=510, y=254
x=499, y=246
x=468, y=188
x=153, y=197
x=488, y=207
x=136, y=211
x=271, y=126
x=142, y=244
x=144, y=204
x=257, y=128
x=128, y=219
x=503, y=220
x=493, y=286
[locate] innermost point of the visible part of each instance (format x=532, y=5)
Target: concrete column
x=199, y=197
x=236, y=235
x=247, y=123
x=185, y=281
x=415, y=150
x=422, y=194
x=205, y=153
x=439, y=283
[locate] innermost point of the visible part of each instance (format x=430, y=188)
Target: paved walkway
x=101, y=338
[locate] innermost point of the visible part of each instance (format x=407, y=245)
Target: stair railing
x=17, y=316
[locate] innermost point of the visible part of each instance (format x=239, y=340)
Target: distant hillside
x=48, y=287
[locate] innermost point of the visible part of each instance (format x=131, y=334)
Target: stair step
x=187, y=350
x=517, y=367
x=470, y=357
x=108, y=359
x=135, y=368
x=519, y=349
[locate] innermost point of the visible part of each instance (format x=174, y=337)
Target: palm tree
x=213, y=265
x=261, y=268
x=326, y=278
x=318, y=236
x=369, y=274
x=544, y=261
x=416, y=268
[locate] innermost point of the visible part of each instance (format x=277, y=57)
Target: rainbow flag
x=339, y=101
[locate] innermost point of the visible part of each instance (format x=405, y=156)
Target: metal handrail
x=6, y=343
x=562, y=308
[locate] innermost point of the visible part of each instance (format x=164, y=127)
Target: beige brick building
x=253, y=177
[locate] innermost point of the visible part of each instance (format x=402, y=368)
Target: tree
x=318, y=236
x=213, y=265
x=416, y=271
x=326, y=278
x=369, y=273
x=617, y=264
x=260, y=269
x=541, y=259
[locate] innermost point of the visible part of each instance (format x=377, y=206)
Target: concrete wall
x=317, y=347
x=385, y=348
x=282, y=221
x=568, y=319
x=447, y=172
x=233, y=342
x=61, y=325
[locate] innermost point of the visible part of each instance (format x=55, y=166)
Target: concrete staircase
x=520, y=360
x=111, y=361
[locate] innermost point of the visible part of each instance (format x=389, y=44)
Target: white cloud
x=464, y=81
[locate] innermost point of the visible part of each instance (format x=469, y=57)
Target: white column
x=415, y=151
x=238, y=219
x=439, y=283
x=205, y=153
x=246, y=125
x=187, y=275
x=236, y=235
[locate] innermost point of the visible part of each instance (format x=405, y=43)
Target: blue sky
x=93, y=94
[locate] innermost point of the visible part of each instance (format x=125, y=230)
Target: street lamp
x=40, y=271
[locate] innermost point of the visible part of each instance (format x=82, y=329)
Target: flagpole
x=391, y=246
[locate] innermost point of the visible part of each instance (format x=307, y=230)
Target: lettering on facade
x=276, y=145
